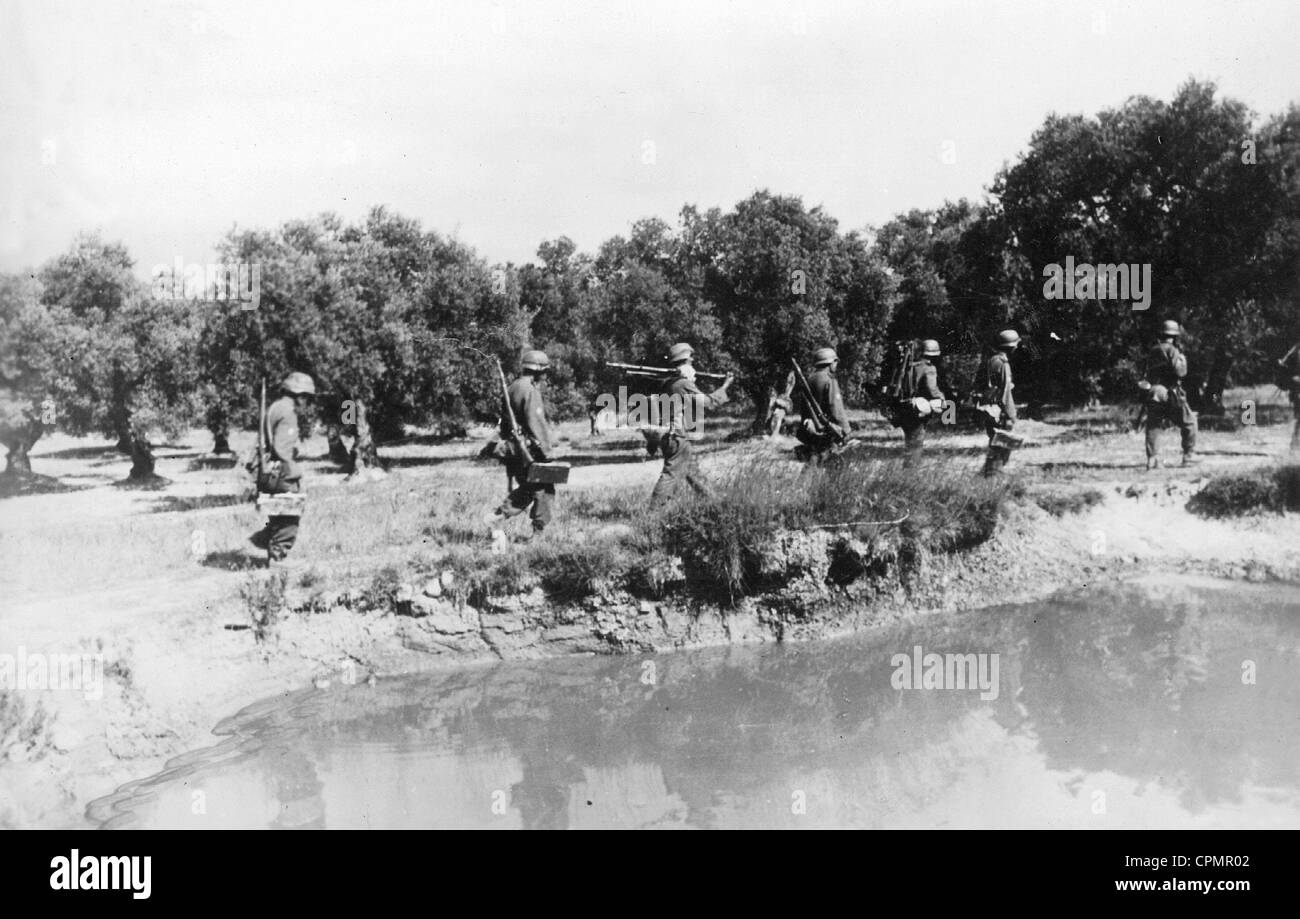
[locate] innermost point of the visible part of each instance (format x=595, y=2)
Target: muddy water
x=1169, y=703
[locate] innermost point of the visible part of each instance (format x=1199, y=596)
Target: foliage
x=1260, y=491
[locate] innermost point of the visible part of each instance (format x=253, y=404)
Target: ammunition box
x=548, y=474
x=290, y=504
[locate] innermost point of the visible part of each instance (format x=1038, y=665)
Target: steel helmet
x=680, y=352
x=536, y=360
x=930, y=348
x=299, y=384
x=824, y=356
x=1008, y=337
x=1171, y=329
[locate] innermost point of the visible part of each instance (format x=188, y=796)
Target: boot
x=1153, y=462
x=1190, y=460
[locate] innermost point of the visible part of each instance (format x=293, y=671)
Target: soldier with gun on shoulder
x=683, y=396
x=527, y=446
x=825, y=426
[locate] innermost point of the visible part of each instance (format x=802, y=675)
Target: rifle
x=887, y=399
x=261, y=438
x=639, y=370
x=819, y=417
x=524, y=454
x=534, y=471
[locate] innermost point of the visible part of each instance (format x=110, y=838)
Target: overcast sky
x=164, y=124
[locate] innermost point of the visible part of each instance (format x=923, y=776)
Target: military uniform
x=1167, y=366
x=282, y=441
x=922, y=382
x=525, y=400
x=682, y=395
x=826, y=394
x=998, y=388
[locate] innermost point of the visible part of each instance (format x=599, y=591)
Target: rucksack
x=900, y=389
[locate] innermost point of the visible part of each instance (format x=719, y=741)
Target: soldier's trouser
x=679, y=469
x=1177, y=412
x=1295, y=435
x=913, y=441
x=537, y=496
x=997, y=456
x=282, y=529
x=821, y=446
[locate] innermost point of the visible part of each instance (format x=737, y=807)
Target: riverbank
x=183, y=643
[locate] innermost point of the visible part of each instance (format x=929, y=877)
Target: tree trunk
x=364, y=454
x=1215, y=382
x=338, y=449
x=142, y=460
x=217, y=419
x=19, y=461
x=122, y=425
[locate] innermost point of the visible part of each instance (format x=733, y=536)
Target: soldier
x=1289, y=380
x=998, y=402
x=684, y=400
x=826, y=392
x=922, y=382
x=594, y=408
x=779, y=405
x=281, y=427
x=1166, y=367
x=525, y=401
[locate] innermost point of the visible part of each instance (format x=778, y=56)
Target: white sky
x=164, y=124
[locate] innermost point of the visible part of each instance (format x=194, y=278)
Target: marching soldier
x=525, y=401
x=826, y=391
x=999, y=404
x=1166, y=367
x=281, y=427
x=684, y=400
x=923, y=383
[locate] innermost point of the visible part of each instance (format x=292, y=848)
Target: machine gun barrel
x=640, y=370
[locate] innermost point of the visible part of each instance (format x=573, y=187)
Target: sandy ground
x=178, y=653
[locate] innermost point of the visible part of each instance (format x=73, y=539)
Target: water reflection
x=1117, y=707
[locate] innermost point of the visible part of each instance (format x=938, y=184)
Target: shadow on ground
x=171, y=503
x=17, y=485
x=234, y=560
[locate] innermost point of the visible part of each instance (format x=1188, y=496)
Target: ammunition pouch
x=272, y=481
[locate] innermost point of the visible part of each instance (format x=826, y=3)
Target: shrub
x=1058, y=503
x=381, y=594
x=723, y=538
x=263, y=597
x=1257, y=492
x=22, y=733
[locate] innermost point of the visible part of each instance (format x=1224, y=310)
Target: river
x=1163, y=702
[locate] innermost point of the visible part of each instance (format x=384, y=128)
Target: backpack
x=900, y=390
